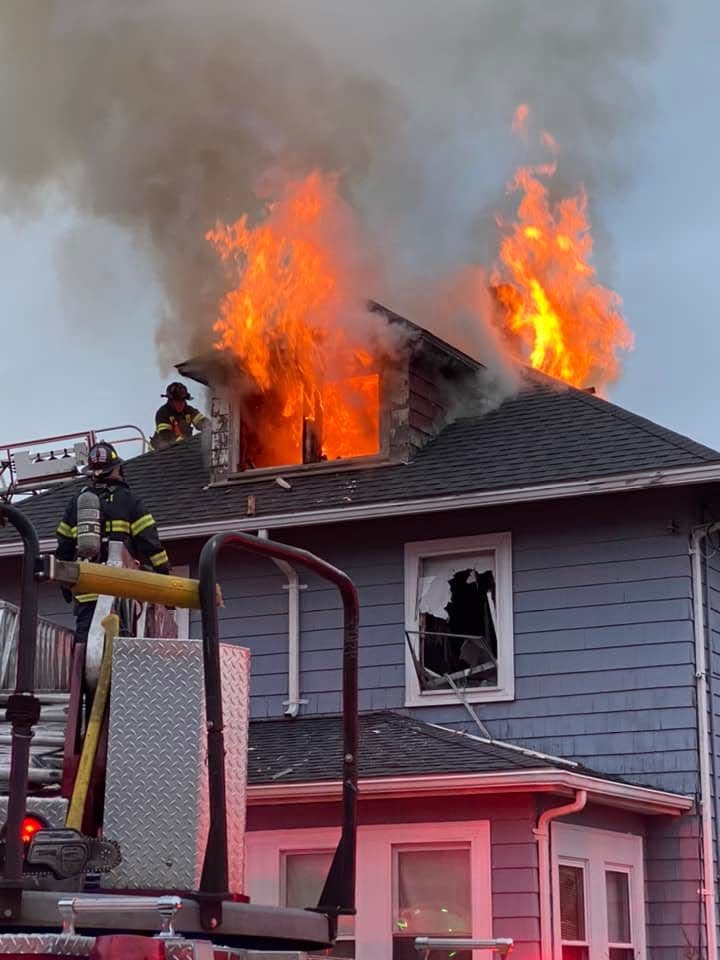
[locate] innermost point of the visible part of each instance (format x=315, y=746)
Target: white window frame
x=501, y=545
x=182, y=614
x=599, y=851
x=265, y=850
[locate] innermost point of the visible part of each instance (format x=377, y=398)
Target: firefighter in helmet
x=176, y=419
x=122, y=517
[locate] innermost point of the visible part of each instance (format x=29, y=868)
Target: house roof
x=392, y=745
x=547, y=434
x=401, y=755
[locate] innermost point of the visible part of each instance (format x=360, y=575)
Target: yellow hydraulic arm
x=142, y=585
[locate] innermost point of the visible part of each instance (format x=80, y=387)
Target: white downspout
x=293, y=702
x=542, y=836
x=701, y=689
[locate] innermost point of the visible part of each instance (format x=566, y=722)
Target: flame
x=294, y=277
x=556, y=315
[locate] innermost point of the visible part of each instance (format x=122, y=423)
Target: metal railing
x=54, y=651
x=29, y=466
x=424, y=945
x=338, y=894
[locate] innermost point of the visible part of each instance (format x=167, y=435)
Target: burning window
x=459, y=630
x=289, y=427
x=294, y=317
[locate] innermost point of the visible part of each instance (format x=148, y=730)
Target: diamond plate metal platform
x=45, y=944
x=50, y=809
x=156, y=803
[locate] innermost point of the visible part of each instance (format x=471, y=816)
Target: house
x=539, y=649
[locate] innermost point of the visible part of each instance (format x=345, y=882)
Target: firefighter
x=176, y=419
x=122, y=517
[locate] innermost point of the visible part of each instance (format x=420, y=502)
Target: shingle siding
x=603, y=635
x=603, y=640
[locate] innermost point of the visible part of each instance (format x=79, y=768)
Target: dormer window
x=383, y=407
x=302, y=425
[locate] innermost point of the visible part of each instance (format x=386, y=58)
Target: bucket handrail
x=338, y=895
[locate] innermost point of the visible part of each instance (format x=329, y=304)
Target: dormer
x=385, y=411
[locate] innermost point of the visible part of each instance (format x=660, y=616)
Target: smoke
x=163, y=116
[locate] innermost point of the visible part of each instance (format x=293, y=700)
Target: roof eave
x=620, y=483
x=610, y=793
x=706, y=473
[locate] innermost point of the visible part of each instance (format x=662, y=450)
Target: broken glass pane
x=457, y=639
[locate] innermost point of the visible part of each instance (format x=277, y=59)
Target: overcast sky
x=60, y=376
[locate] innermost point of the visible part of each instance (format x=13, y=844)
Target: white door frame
x=599, y=850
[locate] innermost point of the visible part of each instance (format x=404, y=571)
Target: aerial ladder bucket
x=212, y=905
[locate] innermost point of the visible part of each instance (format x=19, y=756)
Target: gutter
x=698, y=534
x=542, y=836
x=625, y=796
x=681, y=476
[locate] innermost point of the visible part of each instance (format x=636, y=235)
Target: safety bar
x=424, y=945
x=338, y=895
x=23, y=708
x=71, y=907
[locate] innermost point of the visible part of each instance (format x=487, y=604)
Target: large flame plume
x=558, y=318
x=288, y=318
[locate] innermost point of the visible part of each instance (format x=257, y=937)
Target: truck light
x=30, y=826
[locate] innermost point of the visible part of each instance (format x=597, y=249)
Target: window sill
x=342, y=465
x=413, y=698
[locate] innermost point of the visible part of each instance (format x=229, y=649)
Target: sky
x=66, y=369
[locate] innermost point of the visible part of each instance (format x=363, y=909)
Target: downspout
x=293, y=702
x=711, y=697
x=698, y=534
x=542, y=836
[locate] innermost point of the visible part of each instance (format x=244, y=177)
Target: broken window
x=455, y=645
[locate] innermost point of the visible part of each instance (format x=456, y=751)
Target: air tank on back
x=89, y=526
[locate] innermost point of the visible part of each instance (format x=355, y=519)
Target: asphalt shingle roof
x=310, y=748
x=547, y=433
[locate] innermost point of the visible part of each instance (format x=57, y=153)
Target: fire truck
x=137, y=853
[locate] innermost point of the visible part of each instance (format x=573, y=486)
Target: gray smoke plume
x=162, y=116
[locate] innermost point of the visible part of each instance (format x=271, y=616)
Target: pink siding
x=515, y=905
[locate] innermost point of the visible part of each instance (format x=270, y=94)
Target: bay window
x=422, y=879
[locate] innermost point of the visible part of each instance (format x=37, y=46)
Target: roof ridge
x=672, y=437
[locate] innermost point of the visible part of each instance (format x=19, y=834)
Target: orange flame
x=558, y=318
x=294, y=279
